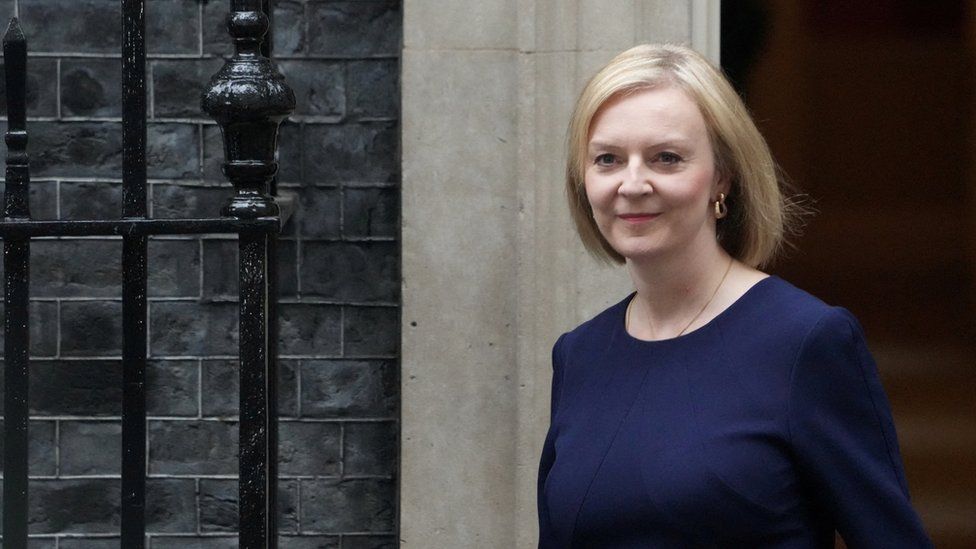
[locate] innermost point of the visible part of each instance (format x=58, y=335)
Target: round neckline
x=622, y=318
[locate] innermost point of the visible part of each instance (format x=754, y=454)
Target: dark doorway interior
x=869, y=109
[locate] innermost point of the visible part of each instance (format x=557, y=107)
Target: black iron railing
x=248, y=98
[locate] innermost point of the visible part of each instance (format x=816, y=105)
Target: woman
x=716, y=406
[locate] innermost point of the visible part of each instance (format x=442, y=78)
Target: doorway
x=869, y=108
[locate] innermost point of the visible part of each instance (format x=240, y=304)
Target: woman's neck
x=671, y=291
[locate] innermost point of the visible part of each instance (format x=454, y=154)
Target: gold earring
x=721, y=210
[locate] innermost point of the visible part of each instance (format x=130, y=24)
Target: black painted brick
x=178, y=85
x=86, y=388
x=369, y=448
x=213, y=155
x=187, y=328
x=79, y=505
x=309, y=542
x=173, y=26
x=172, y=388
x=346, y=271
x=219, y=505
x=319, y=87
x=89, y=87
x=92, y=506
x=195, y=542
x=42, y=92
x=371, y=331
x=348, y=505
x=290, y=144
x=91, y=448
x=309, y=329
x=365, y=152
x=330, y=144
x=76, y=149
x=173, y=151
x=41, y=455
x=170, y=505
x=220, y=382
x=308, y=448
x=192, y=447
x=91, y=328
x=216, y=39
x=49, y=542
x=289, y=27
x=369, y=542
x=319, y=213
x=370, y=212
x=220, y=273
x=183, y=201
x=372, y=89
x=174, y=268
x=91, y=200
x=90, y=543
x=43, y=328
x=86, y=26
x=72, y=268
x=287, y=268
x=356, y=29
x=349, y=388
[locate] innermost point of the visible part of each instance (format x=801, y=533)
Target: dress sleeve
x=843, y=437
x=548, y=449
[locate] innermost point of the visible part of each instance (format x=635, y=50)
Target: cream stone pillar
x=492, y=269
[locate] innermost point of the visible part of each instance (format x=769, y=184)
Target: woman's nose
x=636, y=180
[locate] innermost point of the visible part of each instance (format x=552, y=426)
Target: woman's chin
x=639, y=253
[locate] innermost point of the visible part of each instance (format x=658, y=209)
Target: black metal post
x=134, y=276
x=249, y=98
x=16, y=262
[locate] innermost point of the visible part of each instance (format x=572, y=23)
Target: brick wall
x=339, y=284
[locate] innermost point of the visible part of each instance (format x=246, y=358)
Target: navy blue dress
x=767, y=427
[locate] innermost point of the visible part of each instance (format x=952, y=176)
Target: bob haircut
x=759, y=215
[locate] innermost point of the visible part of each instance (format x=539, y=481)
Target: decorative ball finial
x=249, y=98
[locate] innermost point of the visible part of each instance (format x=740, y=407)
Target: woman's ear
x=723, y=184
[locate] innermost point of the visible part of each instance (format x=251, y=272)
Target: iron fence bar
x=129, y=227
x=249, y=98
x=134, y=276
x=258, y=481
x=16, y=262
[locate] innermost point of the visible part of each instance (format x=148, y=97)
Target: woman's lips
x=636, y=218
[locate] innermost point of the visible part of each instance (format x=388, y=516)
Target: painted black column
x=249, y=98
x=16, y=264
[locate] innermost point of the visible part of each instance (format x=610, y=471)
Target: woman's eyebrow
x=664, y=143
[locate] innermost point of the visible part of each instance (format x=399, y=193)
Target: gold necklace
x=694, y=318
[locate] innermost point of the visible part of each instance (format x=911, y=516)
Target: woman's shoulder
x=776, y=306
x=598, y=329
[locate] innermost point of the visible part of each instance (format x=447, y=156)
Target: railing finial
x=15, y=203
x=249, y=98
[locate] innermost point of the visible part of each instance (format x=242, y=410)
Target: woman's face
x=650, y=174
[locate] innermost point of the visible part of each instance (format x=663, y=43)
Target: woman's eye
x=605, y=159
x=669, y=158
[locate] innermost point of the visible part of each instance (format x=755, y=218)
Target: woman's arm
x=548, y=450
x=843, y=437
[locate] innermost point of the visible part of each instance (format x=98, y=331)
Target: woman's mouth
x=636, y=218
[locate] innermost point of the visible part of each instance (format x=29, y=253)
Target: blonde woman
x=717, y=406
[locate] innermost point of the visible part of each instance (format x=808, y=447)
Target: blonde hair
x=759, y=215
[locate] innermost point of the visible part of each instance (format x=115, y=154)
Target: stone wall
x=339, y=284
x=493, y=270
